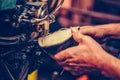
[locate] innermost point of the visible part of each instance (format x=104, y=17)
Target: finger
x=78, y=37
x=84, y=39
x=67, y=68
x=87, y=30
x=61, y=56
x=67, y=54
x=69, y=62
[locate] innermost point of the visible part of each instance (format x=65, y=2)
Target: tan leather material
x=56, y=38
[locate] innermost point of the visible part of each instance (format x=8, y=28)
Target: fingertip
x=59, y=56
x=78, y=37
x=56, y=56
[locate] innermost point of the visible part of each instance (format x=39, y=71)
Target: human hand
x=102, y=32
x=83, y=58
x=92, y=30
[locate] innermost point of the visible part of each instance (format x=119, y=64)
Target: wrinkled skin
x=88, y=55
x=82, y=58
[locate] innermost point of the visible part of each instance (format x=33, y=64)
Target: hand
x=103, y=32
x=83, y=58
x=93, y=31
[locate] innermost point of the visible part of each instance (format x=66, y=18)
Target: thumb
x=61, y=56
x=78, y=37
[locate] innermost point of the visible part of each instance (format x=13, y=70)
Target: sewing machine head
x=39, y=14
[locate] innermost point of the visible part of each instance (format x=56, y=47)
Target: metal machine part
x=38, y=14
x=19, y=53
x=35, y=16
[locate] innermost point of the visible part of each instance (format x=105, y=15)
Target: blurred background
x=88, y=12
